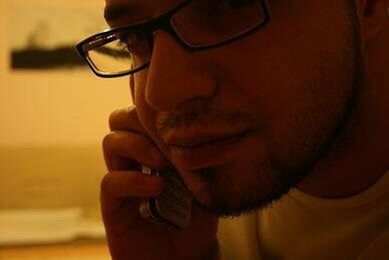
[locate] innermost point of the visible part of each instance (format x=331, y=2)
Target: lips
x=193, y=140
x=191, y=149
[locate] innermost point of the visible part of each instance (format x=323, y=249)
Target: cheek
x=138, y=86
x=294, y=77
x=145, y=113
x=285, y=62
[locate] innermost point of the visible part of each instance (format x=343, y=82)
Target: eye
x=131, y=41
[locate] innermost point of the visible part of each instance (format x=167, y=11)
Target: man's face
x=244, y=123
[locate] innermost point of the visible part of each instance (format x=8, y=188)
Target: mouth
x=194, y=150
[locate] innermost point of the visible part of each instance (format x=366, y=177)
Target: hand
x=129, y=235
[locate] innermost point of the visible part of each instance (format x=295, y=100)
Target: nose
x=177, y=76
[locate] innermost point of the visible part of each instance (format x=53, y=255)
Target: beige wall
x=60, y=108
x=49, y=123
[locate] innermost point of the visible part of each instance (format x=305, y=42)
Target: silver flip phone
x=171, y=208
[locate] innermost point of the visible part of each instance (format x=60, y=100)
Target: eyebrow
x=117, y=11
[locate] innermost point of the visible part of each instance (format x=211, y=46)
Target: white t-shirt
x=301, y=226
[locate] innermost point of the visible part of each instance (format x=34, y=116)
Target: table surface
x=71, y=251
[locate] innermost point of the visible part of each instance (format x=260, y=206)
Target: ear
x=373, y=14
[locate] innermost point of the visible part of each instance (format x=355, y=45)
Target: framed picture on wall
x=42, y=34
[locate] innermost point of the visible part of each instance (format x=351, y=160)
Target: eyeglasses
x=197, y=25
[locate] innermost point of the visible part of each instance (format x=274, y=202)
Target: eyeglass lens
x=128, y=51
x=207, y=22
x=199, y=23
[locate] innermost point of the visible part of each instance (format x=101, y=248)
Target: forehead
x=119, y=12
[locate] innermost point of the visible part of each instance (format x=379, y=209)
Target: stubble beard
x=280, y=177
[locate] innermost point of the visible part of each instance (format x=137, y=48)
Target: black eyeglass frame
x=162, y=22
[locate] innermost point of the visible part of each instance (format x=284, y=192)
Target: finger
x=121, y=184
x=126, y=119
x=125, y=149
x=120, y=194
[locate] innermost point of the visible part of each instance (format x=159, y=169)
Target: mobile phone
x=171, y=208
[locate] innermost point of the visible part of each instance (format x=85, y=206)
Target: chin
x=235, y=189
x=252, y=180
